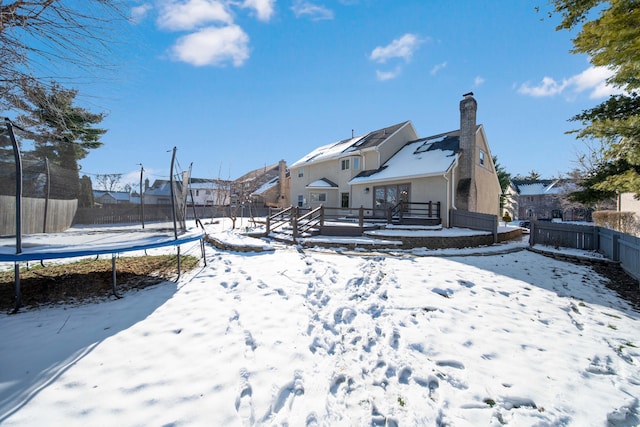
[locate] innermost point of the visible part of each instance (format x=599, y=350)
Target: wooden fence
x=474, y=221
x=614, y=245
x=128, y=213
x=564, y=235
x=38, y=215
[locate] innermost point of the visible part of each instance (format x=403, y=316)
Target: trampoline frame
x=84, y=252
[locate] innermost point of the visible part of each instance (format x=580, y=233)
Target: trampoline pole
x=204, y=258
x=179, y=267
x=17, y=283
x=113, y=275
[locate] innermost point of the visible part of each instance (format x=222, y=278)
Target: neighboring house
x=111, y=197
x=157, y=194
x=546, y=200
x=267, y=186
x=379, y=169
x=627, y=202
x=202, y=192
x=208, y=192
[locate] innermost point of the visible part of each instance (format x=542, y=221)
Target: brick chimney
x=283, y=197
x=466, y=194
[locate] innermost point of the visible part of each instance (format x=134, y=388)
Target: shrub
x=625, y=222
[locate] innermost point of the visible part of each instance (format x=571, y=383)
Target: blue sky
x=239, y=84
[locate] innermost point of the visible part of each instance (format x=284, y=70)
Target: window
x=344, y=164
x=344, y=198
x=482, y=158
x=388, y=196
x=300, y=200
x=300, y=173
x=318, y=197
x=356, y=163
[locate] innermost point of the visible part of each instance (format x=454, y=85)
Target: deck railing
x=415, y=210
x=279, y=219
x=312, y=219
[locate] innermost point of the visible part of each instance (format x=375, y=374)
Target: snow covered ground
x=306, y=337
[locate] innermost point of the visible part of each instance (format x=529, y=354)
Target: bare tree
x=47, y=40
x=108, y=181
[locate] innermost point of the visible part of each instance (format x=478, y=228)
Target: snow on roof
x=117, y=195
x=336, y=149
x=542, y=187
x=267, y=185
x=423, y=157
x=329, y=151
x=322, y=183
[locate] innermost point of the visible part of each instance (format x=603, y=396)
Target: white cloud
x=139, y=13
x=313, y=11
x=548, y=87
x=437, y=68
x=404, y=47
x=388, y=75
x=177, y=15
x=213, y=46
x=592, y=80
x=264, y=8
x=478, y=81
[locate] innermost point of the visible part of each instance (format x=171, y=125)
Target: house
x=157, y=194
x=208, y=192
x=628, y=202
x=546, y=200
x=381, y=168
x=111, y=197
x=202, y=192
x=266, y=186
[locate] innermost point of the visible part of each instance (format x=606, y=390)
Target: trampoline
x=40, y=200
x=87, y=242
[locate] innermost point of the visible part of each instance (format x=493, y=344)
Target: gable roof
x=539, y=187
x=121, y=196
x=267, y=186
x=340, y=148
x=433, y=155
x=322, y=183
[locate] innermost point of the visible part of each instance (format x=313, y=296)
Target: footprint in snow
x=466, y=283
x=599, y=366
x=249, y=341
x=447, y=293
x=404, y=375
x=450, y=363
x=243, y=402
x=287, y=393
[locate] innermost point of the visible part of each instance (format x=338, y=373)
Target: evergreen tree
x=504, y=178
x=609, y=33
x=62, y=132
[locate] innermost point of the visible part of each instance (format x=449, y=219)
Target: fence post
x=294, y=223
x=532, y=233
x=615, y=246
x=495, y=229
x=321, y=215
x=361, y=216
